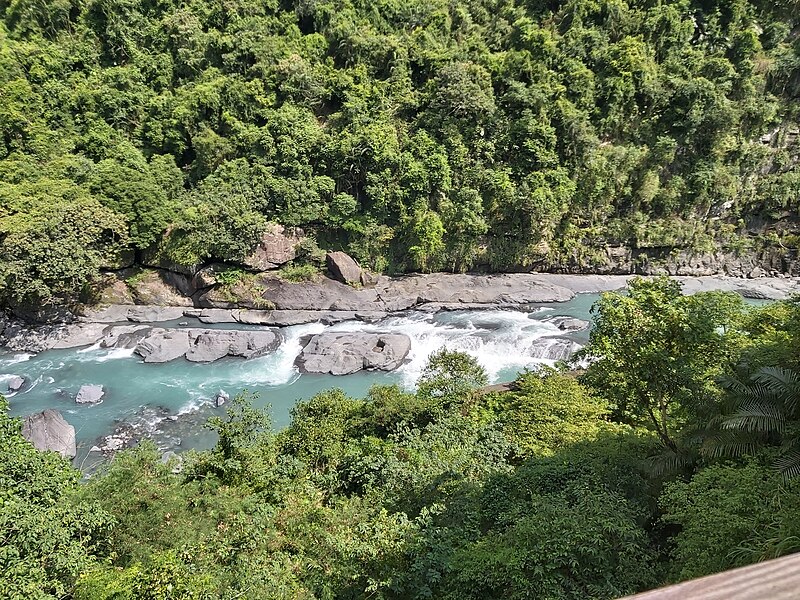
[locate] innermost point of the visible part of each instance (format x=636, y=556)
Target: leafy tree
x=548, y=411
x=730, y=516
x=53, y=239
x=450, y=376
x=49, y=538
x=657, y=352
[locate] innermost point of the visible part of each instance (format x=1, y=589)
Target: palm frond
x=668, y=462
x=789, y=464
x=784, y=383
x=731, y=443
x=756, y=415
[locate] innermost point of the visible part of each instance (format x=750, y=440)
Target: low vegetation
x=563, y=488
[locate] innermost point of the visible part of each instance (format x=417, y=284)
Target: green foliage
x=419, y=136
x=579, y=543
x=49, y=535
x=450, y=376
x=659, y=351
x=243, y=440
x=549, y=411
x=541, y=491
x=299, y=273
x=730, y=516
x=53, y=239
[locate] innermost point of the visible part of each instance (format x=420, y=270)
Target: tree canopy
x=415, y=134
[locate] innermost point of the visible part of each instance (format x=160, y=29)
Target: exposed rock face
x=136, y=314
x=90, y=394
x=154, y=314
x=48, y=430
x=622, y=260
x=346, y=353
x=204, y=345
x=115, y=291
x=394, y=294
x=20, y=336
x=277, y=247
x=343, y=267
x=15, y=383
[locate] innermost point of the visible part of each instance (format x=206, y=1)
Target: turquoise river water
x=169, y=402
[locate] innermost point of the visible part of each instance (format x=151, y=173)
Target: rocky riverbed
x=329, y=301
x=121, y=372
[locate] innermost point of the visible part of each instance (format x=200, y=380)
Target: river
x=170, y=401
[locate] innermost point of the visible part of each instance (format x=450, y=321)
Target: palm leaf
x=789, y=464
x=668, y=462
x=755, y=415
x=731, y=443
x=784, y=383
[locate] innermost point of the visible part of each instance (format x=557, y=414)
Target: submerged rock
x=346, y=353
x=48, y=430
x=90, y=394
x=554, y=348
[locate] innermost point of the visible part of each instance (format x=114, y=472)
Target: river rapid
x=169, y=402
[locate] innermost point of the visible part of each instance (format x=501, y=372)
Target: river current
x=170, y=401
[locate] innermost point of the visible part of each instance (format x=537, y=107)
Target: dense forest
x=417, y=135
x=673, y=455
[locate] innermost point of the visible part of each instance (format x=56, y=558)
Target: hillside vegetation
x=674, y=456
x=414, y=134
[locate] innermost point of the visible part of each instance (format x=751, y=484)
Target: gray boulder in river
x=15, y=383
x=569, y=323
x=204, y=345
x=346, y=353
x=90, y=394
x=48, y=430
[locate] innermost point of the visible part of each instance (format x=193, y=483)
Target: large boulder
x=163, y=345
x=213, y=344
x=346, y=353
x=48, y=430
x=569, y=323
x=323, y=295
x=90, y=394
x=276, y=247
x=15, y=383
x=343, y=267
x=202, y=345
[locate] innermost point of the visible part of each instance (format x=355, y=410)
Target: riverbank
x=328, y=301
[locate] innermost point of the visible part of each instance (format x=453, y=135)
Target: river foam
x=500, y=340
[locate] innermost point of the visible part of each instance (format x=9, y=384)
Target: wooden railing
x=777, y=579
